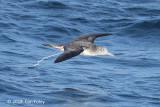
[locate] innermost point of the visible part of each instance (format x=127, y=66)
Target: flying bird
x=82, y=45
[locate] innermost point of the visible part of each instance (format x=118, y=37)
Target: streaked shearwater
x=82, y=45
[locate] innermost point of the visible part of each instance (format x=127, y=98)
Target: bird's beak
x=110, y=54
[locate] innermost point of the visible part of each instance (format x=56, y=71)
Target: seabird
x=82, y=45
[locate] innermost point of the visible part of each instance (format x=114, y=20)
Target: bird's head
x=104, y=51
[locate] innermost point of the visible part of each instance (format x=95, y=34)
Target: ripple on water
x=15, y=89
x=149, y=24
x=46, y=5
x=6, y=38
x=6, y=68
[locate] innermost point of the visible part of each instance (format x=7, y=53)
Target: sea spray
x=44, y=58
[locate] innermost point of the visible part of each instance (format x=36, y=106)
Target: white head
x=104, y=51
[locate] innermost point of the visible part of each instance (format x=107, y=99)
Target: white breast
x=88, y=53
x=93, y=52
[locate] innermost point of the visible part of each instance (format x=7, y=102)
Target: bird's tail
x=47, y=45
x=57, y=46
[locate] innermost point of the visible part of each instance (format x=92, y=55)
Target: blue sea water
x=130, y=79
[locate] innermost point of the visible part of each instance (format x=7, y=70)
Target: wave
x=14, y=89
x=5, y=38
x=47, y=5
x=136, y=63
x=79, y=19
x=143, y=28
x=6, y=69
x=149, y=24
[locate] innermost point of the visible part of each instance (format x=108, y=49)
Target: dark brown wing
x=70, y=51
x=90, y=37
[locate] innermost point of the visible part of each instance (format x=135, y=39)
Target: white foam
x=44, y=58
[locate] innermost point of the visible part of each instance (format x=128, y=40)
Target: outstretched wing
x=69, y=52
x=90, y=37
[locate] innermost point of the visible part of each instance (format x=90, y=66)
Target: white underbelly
x=88, y=53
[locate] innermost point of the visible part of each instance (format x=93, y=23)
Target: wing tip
x=107, y=33
x=101, y=34
x=56, y=61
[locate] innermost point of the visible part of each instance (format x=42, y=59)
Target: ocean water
x=130, y=79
